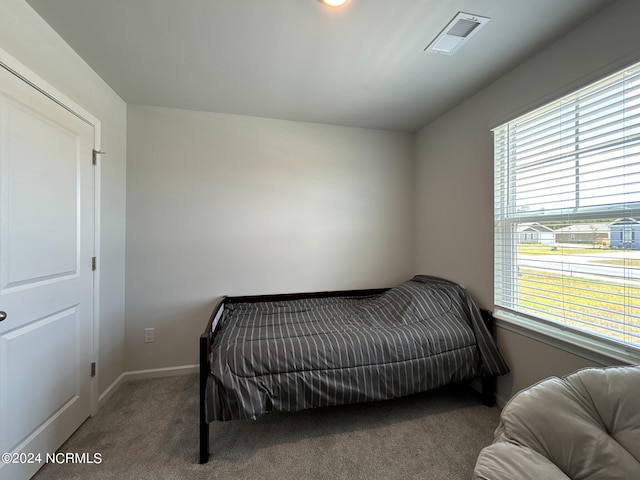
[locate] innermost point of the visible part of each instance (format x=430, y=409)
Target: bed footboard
x=206, y=340
x=204, y=426
x=488, y=393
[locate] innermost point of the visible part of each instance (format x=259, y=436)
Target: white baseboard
x=144, y=374
x=110, y=390
x=161, y=372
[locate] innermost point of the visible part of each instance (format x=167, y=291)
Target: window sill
x=596, y=351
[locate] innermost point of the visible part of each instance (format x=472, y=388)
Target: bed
x=296, y=351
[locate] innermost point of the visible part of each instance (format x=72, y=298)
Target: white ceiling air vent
x=459, y=30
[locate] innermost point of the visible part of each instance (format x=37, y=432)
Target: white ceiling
x=362, y=65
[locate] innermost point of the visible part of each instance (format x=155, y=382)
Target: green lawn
x=555, y=294
x=531, y=249
x=621, y=262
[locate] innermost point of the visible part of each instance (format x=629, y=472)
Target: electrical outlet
x=149, y=335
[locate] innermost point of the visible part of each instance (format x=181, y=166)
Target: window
x=573, y=166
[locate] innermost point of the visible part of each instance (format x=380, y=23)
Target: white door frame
x=37, y=82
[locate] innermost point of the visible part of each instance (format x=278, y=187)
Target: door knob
x=3, y=315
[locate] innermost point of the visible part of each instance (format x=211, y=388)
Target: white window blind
x=567, y=212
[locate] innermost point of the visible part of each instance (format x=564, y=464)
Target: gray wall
x=454, y=172
x=233, y=205
x=27, y=38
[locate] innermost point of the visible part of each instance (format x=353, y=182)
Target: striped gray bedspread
x=298, y=354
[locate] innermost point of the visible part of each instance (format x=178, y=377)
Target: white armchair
x=584, y=426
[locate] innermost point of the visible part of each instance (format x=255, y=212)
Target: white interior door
x=46, y=275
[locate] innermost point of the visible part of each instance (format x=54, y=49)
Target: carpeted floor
x=149, y=430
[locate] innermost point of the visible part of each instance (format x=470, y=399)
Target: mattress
x=298, y=354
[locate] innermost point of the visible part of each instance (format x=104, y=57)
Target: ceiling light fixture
x=334, y=3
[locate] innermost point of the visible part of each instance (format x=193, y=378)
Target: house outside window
x=573, y=166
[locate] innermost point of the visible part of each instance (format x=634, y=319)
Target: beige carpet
x=149, y=430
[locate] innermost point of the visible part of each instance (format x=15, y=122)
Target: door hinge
x=94, y=263
x=95, y=155
x=93, y=369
